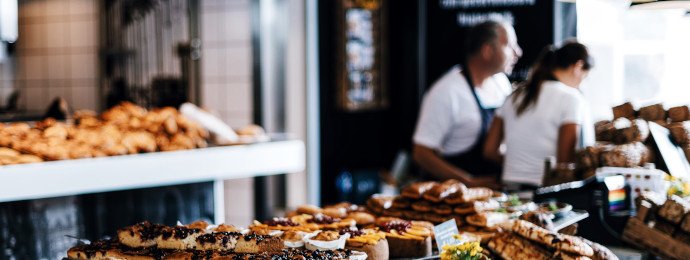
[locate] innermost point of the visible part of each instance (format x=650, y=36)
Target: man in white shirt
x=457, y=111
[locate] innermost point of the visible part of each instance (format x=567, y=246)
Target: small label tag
x=444, y=233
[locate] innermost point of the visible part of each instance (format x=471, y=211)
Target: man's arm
x=430, y=161
x=493, y=141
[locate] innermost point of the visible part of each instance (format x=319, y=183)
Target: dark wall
x=424, y=39
x=447, y=24
x=368, y=140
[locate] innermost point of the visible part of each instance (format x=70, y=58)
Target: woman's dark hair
x=550, y=59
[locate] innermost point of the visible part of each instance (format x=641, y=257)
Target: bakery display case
x=384, y=228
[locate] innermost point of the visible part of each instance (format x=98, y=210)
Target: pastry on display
x=200, y=240
x=110, y=249
x=123, y=129
x=509, y=246
x=362, y=218
x=439, y=192
x=469, y=195
x=600, y=252
x=369, y=241
x=476, y=207
x=193, y=237
x=326, y=240
x=416, y=190
x=674, y=209
x=625, y=110
x=681, y=132
x=560, y=242
x=379, y=203
x=627, y=155
x=679, y=113
x=487, y=219
x=654, y=112
x=406, y=239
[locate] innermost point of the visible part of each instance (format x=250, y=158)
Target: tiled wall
x=226, y=63
x=226, y=66
x=57, y=53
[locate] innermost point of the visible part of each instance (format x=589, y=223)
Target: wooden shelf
x=639, y=234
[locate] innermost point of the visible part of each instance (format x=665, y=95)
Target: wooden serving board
x=639, y=234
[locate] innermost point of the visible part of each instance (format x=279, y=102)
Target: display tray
x=81, y=176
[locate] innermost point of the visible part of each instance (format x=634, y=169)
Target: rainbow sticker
x=616, y=199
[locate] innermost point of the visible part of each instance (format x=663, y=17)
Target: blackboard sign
x=447, y=22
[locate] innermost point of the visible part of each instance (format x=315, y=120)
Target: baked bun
x=441, y=191
x=378, y=203
x=469, y=195
x=309, y=210
x=422, y=206
x=362, y=218
x=435, y=218
x=487, y=219
x=407, y=239
x=335, y=212
x=476, y=207
x=417, y=189
x=369, y=241
x=442, y=209
x=401, y=203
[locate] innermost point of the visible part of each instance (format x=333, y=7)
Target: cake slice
x=142, y=234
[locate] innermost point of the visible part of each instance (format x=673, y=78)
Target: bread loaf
x=604, y=131
x=417, y=189
x=439, y=192
x=679, y=113
x=600, y=252
x=550, y=239
x=653, y=112
x=509, y=246
x=588, y=158
x=674, y=209
x=624, y=110
x=627, y=155
x=681, y=132
x=628, y=131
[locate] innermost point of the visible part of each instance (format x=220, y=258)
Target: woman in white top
x=545, y=116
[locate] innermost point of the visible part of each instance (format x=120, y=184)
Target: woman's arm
x=567, y=139
x=430, y=161
x=493, y=141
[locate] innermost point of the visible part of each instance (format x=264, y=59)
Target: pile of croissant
x=123, y=129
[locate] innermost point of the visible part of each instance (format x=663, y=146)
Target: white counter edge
x=73, y=177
